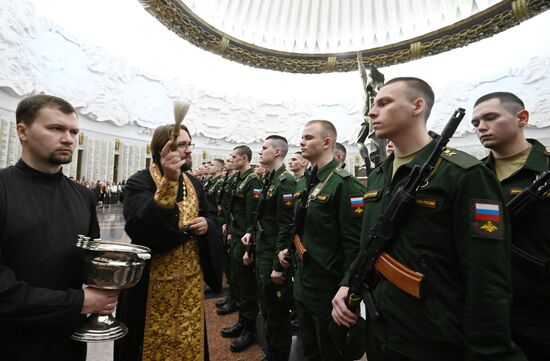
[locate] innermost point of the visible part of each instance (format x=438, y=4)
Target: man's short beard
x=187, y=165
x=57, y=160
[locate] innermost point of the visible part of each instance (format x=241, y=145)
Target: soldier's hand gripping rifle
x=372, y=81
x=257, y=227
x=295, y=242
x=534, y=265
x=388, y=223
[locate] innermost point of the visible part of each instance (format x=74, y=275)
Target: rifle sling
x=297, y=239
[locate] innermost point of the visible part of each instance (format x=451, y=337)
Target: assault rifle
x=373, y=257
x=257, y=227
x=295, y=242
x=528, y=196
x=534, y=265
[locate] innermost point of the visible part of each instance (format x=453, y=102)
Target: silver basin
x=113, y=266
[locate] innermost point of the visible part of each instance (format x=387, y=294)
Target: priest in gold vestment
x=166, y=209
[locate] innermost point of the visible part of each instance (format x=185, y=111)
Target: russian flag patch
x=288, y=199
x=256, y=192
x=357, y=206
x=487, y=220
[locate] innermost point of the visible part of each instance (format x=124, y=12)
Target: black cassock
x=157, y=228
x=40, y=266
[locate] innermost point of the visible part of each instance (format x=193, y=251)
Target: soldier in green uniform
x=331, y=237
x=275, y=223
x=229, y=303
x=499, y=119
x=456, y=234
x=248, y=188
x=340, y=154
x=297, y=164
x=215, y=182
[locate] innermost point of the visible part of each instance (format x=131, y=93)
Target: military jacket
x=531, y=288
x=276, y=219
x=226, y=200
x=247, y=192
x=213, y=190
x=331, y=230
x=458, y=237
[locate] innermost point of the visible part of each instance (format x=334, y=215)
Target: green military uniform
x=531, y=284
x=213, y=190
x=226, y=200
x=224, y=216
x=331, y=236
x=248, y=189
x=458, y=237
x=275, y=221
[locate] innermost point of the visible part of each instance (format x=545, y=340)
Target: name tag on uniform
x=372, y=195
x=426, y=202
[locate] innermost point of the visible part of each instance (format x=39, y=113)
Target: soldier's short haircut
x=327, y=129
x=340, y=147
x=417, y=88
x=244, y=150
x=509, y=101
x=218, y=160
x=279, y=142
x=28, y=108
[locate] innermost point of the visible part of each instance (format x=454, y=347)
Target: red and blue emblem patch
x=357, y=206
x=487, y=219
x=288, y=199
x=256, y=192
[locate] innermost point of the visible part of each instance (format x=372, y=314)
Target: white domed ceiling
x=313, y=36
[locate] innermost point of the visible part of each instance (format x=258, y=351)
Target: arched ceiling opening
x=316, y=36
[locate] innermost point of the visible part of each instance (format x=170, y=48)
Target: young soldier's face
x=229, y=163
x=239, y=160
x=51, y=138
x=312, y=142
x=296, y=163
x=392, y=111
x=495, y=126
x=267, y=154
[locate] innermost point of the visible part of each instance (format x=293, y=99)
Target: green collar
x=323, y=173
x=420, y=158
x=537, y=160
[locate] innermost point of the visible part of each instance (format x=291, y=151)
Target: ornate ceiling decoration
x=315, y=36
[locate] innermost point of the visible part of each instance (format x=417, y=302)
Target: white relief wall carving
x=106, y=88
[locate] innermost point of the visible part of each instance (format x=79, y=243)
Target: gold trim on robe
x=174, y=319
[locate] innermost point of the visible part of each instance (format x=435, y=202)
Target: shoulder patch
x=283, y=176
x=288, y=199
x=487, y=219
x=357, y=204
x=342, y=172
x=460, y=158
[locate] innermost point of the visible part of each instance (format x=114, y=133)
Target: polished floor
x=111, y=222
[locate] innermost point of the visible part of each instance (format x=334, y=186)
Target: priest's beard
x=187, y=165
x=58, y=159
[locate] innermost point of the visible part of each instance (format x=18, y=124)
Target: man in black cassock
x=41, y=214
x=166, y=209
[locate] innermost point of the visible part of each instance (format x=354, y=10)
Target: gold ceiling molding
x=180, y=19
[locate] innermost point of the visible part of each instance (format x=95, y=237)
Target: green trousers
x=243, y=278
